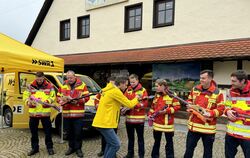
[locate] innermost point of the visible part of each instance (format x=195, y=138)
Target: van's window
x=52, y=80
x=92, y=86
x=25, y=79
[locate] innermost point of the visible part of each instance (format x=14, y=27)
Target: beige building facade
x=193, y=22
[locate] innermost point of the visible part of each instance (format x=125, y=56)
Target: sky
x=18, y=16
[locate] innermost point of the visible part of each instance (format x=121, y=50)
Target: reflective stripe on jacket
x=45, y=92
x=210, y=99
x=164, y=122
x=137, y=114
x=241, y=100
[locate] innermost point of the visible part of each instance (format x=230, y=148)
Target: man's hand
x=74, y=102
x=139, y=97
x=66, y=98
x=31, y=104
x=44, y=105
x=150, y=117
x=124, y=110
x=165, y=111
x=231, y=115
x=206, y=114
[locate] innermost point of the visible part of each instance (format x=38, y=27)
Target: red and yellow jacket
x=45, y=92
x=241, y=100
x=79, y=89
x=164, y=122
x=137, y=114
x=97, y=100
x=212, y=100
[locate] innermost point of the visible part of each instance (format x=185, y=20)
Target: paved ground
x=15, y=143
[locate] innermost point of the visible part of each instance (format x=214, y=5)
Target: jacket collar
x=77, y=83
x=36, y=86
x=245, y=90
x=136, y=88
x=211, y=89
x=108, y=87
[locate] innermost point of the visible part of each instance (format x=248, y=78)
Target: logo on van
x=43, y=62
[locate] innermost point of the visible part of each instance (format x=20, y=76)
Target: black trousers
x=231, y=144
x=73, y=127
x=169, y=147
x=192, y=140
x=139, y=128
x=33, y=124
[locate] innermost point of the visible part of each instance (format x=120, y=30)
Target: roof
x=220, y=50
x=38, y=23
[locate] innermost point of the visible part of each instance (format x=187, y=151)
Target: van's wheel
x=8, y=117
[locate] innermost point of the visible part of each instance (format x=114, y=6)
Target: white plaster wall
x=195, y=21
x=223, y=70
x=246, y=66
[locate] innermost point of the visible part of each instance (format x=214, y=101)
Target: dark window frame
x=63, y=28
x=79, y=27
x=155, y=14
x=126, y=17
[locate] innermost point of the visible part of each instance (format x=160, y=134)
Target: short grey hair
x=70, y=72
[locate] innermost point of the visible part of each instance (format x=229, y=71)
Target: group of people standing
x=132, y=101
x=73, y=111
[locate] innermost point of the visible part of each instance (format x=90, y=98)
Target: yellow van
x=16, y=114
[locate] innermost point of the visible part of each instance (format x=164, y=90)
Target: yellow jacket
x=108, y=112
x=45, y=93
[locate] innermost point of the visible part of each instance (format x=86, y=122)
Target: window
x=163, y=13
x=83, y=27
x=65, y=30
x=24, y=80
x=133, y=18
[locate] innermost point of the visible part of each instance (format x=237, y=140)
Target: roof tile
x=196, y=51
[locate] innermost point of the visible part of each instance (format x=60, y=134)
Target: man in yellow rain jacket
x=108, y=112
x=44, y=91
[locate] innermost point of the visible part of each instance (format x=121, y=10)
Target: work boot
x=79, y=153
x=33, y=152
x=51, y=152
x=69, y=151
x=100, y=154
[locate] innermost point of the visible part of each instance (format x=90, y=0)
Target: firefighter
x=73, y=110
x=162, y=113
x=135, y=117
x=108, y=113
x=238, y=127
x=207, y=96
x=43, y=90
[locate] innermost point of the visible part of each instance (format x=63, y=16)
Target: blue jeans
x=231, y=144
x=192, y=140
x=112, y=142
